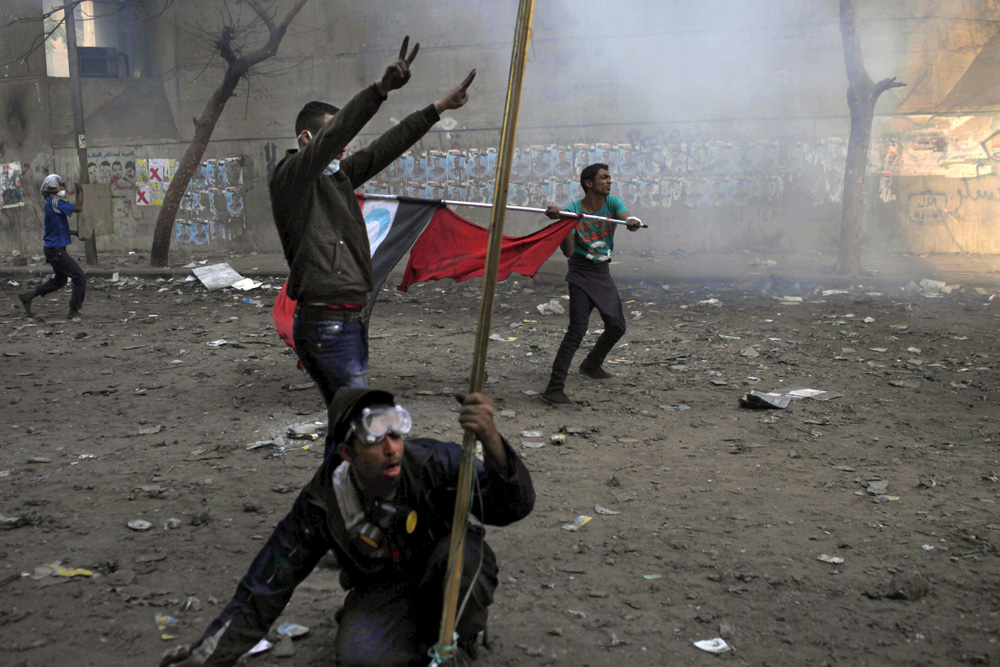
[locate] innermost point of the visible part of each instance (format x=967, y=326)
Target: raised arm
x=364, y=164
x=331, y=140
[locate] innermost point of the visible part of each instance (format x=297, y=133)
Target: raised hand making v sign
x=398, y=73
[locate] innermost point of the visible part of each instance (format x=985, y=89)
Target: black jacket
x=322, y=231
x=429, y=478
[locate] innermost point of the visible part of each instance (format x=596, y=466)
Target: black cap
x=348, y=402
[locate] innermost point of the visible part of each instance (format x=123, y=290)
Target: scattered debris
x=293, y=630
x=759, y=400
x=717, y=645
x=877, y=487
x=167, y=625
x=578, y=522
x=553, y=307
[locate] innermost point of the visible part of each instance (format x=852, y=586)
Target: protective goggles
x=374, y=423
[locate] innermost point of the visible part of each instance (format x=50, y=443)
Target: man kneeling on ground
x=385, y=513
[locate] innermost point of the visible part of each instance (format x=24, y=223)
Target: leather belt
x=325, y=313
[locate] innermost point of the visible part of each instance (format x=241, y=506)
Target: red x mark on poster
x=140, y=197
x=154, y=173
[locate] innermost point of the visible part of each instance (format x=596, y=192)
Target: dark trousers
x=65, y=268
x=393, y=623
x=333, y=352
x=580, y=307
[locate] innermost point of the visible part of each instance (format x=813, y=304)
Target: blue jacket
x=57, y=222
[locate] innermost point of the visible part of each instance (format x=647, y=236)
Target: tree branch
x=36, y=44
x=225, y=45
x=277, y=32
x=886, y=84
x=49, y=14
x=73, y=4
x=262, y=13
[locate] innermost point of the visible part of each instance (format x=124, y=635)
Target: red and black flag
x=451, y=247
x=393, y=226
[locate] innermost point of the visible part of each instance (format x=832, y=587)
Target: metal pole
x=467, y=468
x=525, y=209
x=76, y=100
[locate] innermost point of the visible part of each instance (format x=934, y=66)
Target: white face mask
x=331, y=168
x=61, y=194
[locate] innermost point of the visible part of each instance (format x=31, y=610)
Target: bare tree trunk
x=204, y=126
x=862, y=94
x=238, y=67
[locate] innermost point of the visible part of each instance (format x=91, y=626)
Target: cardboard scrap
x=217, y=276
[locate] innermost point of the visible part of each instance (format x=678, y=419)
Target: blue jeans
x=335, y=354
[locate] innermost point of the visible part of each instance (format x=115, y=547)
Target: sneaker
x=73, y=314
x=556, y=397
x=25, y=299
x=594, y=372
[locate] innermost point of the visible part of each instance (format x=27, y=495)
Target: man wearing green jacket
x=322, y=231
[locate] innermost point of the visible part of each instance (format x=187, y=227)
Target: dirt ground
x=721, y=513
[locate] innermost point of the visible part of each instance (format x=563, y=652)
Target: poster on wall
x=11, y=185
x=212, y=206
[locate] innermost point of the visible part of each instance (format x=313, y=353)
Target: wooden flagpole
x=442, y=652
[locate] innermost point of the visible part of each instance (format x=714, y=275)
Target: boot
x=25, y=298
x=594, y=371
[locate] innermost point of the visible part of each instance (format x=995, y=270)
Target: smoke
x=761, y=83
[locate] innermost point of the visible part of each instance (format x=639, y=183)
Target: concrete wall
x=763, y=83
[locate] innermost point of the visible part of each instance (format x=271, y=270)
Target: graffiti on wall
x=946, y=146
x=698, y=174
x=119, y=168
x=212, y=208
x=11, y=185
x=928, y=208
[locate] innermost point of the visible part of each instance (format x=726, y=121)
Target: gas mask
x=382, y=534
